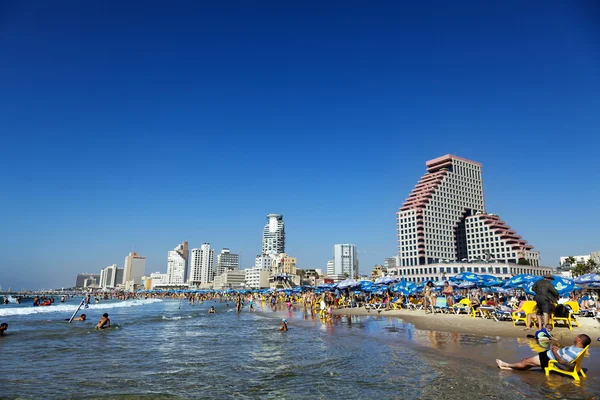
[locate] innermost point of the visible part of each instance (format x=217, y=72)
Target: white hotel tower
x=273, y=238
x=177, y=265
x=444, y=219
x=202, y=265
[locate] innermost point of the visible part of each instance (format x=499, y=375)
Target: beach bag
x=561, y=311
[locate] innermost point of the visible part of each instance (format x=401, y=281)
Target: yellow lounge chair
x=575, y=373
x=463, y=305
x=528, y=307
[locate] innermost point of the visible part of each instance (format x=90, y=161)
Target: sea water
x=170, y=349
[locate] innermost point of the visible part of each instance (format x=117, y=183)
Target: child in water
x=283, y=325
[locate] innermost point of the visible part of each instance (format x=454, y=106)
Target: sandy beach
x=462, y=323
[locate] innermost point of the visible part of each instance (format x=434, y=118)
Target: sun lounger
x=503, y=313
x=487, y=312
x=375, y=306
x=441, y=305
x=464, y=305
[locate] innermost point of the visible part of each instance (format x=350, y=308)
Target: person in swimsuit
x=428, y=297
x=104, y=322
x=82, y=318
x=3, y=327
x=211, y=310
x=283, y=325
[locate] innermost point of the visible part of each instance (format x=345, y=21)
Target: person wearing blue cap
x=283, y=325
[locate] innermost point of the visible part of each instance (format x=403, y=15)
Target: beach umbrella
x=467, y=276
x=366, y=285
x=385, y=280
x=587, y=278
x=518, y=281
x=466, y=285
x=562, y=285
x=443, y=283
x=495, y=282
x=403, y=286
x=347, y=283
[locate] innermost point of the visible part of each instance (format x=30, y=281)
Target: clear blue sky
x=130, y=126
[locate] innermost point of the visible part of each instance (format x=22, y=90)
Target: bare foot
x=502, y=365
x=527, y=329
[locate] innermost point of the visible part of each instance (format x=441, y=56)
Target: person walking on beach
x=427, y=296
x=104, y=322
x=563, y=356
x=545, y=297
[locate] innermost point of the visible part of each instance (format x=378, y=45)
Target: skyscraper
x=108, y=277
x=134, y=268
x=227, y=261
x=345, y=260
x=273, y=238
x=202, y=265
x=437, y=220
x=177, y=265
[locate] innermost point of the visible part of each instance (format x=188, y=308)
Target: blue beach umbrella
x=403, y=286
x=562, y=285
x=495, y=282
x=518, y=281
x=468, y=277
x=366, y=285
x=587, y=278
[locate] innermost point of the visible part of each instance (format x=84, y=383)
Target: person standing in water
x=284, y=327
x=104, y=322
x=3, y=327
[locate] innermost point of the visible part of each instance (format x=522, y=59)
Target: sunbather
x=563, y=356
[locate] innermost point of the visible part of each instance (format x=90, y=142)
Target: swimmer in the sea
x=3, y=327
x=283, y=325
x=104, y=322
x=211, y=310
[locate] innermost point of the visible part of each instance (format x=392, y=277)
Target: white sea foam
x=65, y=308
x=176, y=318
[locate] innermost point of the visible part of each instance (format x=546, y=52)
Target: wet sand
x=463, y=323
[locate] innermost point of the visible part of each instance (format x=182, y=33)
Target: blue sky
x=129, y=128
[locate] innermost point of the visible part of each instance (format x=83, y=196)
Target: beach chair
x=463, y=305
x=527, y=307
x=503, y=313
x=569, y=319
x=576, y=370
x=441, y=305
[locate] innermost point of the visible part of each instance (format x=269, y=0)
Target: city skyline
x=324, y=117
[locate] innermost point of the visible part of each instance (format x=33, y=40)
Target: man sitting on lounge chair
x=563, y=356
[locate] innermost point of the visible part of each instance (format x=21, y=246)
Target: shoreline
x=463, y=323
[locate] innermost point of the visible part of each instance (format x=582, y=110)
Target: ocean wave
x=72, y=307
x=176, y=318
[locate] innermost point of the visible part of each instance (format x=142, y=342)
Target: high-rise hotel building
x=444, y=218
x=273, y=238
x=177, y=265
x=202, y=265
